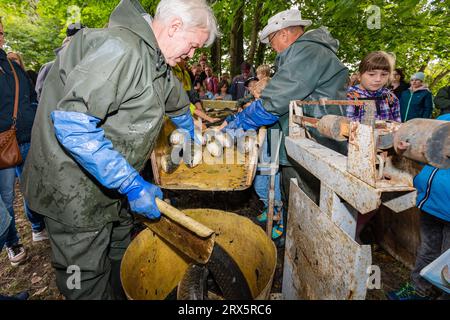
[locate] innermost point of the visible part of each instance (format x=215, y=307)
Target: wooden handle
x=182, y=219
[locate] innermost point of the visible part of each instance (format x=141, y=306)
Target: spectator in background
x=5, y=222
x=433, y=197
x=353, y=80
x=375, y=70
x=263, y=72
x=192, y=72
x=237, y=88
x=33, y=77
x=442, y=100
x=249, y=84
x=71, y=30
x=25, y=117
x=398, y=83
x=198, y=76
x=211, y=82
x=223, y=93
x=225, y=76
x=203, y=93
x=248, y=95
x=17, y=58
x=181, y=72
x=203, y=57
x=417, y=101
x=203, y=63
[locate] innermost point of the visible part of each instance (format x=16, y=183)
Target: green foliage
x=416, y=31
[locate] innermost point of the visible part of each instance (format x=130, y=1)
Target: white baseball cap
x=281, y=20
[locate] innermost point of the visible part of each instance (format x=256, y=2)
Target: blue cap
x=418, y=76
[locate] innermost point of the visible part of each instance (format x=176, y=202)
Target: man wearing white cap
x=307, y=69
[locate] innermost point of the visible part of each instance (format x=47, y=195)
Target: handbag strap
x=16, y=95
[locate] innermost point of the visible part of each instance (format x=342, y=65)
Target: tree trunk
x=438, y=78
x=216, y=55
x=259, y=58
x=255, y=29
x=424, y=65
x=237, y=39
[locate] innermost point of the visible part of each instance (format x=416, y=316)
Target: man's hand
x=252, y=117
x=141, y=196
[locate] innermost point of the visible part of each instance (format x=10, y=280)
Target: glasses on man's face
x=1, y=34
x=271, y=38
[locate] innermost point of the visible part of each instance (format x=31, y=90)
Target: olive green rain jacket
x=116, y=74
x=307, y=70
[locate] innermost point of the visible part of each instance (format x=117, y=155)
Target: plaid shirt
x=388, y=106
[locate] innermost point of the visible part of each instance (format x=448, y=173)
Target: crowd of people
x=101, y=107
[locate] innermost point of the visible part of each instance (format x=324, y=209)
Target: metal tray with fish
x=221, y=168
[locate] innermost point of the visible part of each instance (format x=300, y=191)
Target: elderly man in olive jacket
x=98, y=118
x=307, y=68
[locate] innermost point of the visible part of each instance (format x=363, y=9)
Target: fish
x=225, y=140
x=193, y=285
x=195, y=156
x=176, y=137
x=219, y=277
x=167, y=165
x=214, y=148
x=228, y=275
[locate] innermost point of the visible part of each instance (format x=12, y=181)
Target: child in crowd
x=249, y=85
x=182, y=74
x=203, y=93
x=223, y=91
x=374, y=73
x=375, y=70
x=255, y=88
x=433, y=197
x=263, y=75
x=417, y=101
x=263, y=72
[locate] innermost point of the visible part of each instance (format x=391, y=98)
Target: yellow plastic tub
x=151, y=268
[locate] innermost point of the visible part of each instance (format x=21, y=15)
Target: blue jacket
x=27, y=100
x=433, y=188
x=418, y=104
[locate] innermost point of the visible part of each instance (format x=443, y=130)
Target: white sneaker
x=16, y=254
x=40, y=236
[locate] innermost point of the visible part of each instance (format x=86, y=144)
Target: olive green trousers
x=87, y=261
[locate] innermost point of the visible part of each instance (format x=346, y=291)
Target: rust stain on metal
x=321, y=260
x=424, y=140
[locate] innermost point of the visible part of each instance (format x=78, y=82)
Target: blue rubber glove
x=141, y=196
x=252, y=117
x=186, y=122
x=79, y=134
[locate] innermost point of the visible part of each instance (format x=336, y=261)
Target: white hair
x=193, y=13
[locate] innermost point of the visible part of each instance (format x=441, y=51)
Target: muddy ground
x=37, y=276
